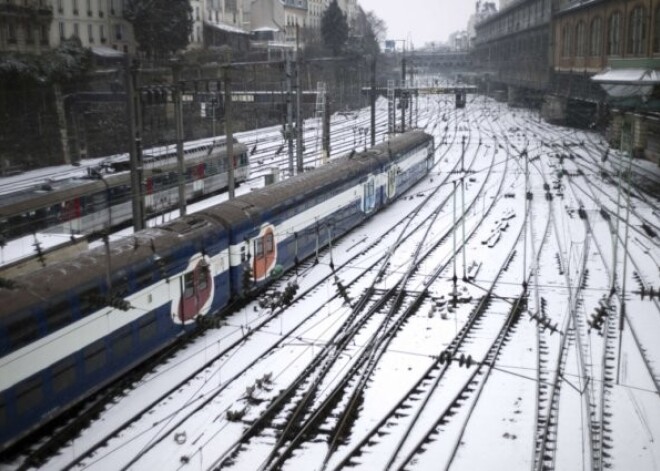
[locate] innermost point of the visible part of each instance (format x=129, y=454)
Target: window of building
x=637, y=33
x=11, y=33
x=89, y=7
x=102, y=33
x=43, y=34
x=119, y=31
x=75, y=7
x=76, y=31
x=29, y=34
x=614, y=34
x=90, y=33
x=596, y=35
x=60, y=6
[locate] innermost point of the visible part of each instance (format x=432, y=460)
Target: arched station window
x=596, y=44
x=566, y=41
x=580, y=40
x=614, y=34
x=637, y=31
x=656, y=30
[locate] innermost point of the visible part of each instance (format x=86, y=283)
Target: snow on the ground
x=499, y=430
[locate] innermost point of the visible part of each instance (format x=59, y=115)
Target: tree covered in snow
x=69, y=62
x=161, y=27
x=334, y=28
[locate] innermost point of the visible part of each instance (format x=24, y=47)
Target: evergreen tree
x=161, y=27
x=68, y=62
x=334, y=28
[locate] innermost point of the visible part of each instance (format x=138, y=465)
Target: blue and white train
x=72, y=327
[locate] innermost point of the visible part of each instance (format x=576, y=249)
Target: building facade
x=621, y=36
x=97, y=23
x=295, y=18
x=25, y=25
x=513, y=48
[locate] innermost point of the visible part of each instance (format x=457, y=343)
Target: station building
x=587, y=63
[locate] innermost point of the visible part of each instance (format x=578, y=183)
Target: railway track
x=168, y=393
x=312, y=393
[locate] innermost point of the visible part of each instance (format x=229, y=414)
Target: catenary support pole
x=135, y=143
x=373, y=101
x=288, y=133
x=178, y=119
x=229, y=132
x=299, y=120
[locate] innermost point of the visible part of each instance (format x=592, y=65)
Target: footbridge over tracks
x=420, y=89
x=424, y=62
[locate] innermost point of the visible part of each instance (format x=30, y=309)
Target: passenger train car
x=80, y=205
x=70, y=328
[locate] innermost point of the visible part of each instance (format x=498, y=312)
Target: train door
x=369, y=195
x=265, y=253
x=430, y=157
x=198, y=179
x=196, y=290
x=149, y=194
x=460, y=100
x=391, y=181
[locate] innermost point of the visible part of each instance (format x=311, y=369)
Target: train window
x=268, y=240
x=122, y=343
x=259, y=247
x=91, y=301
x=243, y=256
x=120, y=287
x=94, y=357
x=64, y=375
x=203, y=278
x=29, y=395
x=148, y=328
x=188, y=285
x=58, y=315
x=22, y=331
x=143, y=279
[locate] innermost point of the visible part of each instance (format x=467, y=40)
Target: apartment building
x=36, y=25
x=24, y=25
x=98, y=24
x=295, y=14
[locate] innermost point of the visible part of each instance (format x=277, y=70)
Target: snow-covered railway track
x=301, y=418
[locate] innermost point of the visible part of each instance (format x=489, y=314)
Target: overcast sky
x=423, y=20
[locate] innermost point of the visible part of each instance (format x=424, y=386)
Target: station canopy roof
x=106, y=52
x=628, y=82
x=225, y=27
